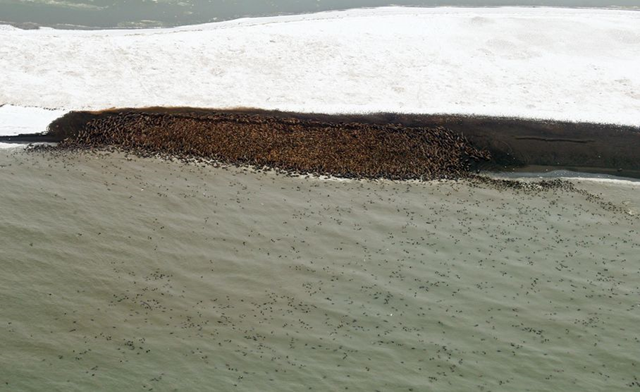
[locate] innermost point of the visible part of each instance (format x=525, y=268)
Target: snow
x=15, y=120
x=564, y=64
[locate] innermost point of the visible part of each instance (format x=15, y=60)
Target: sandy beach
x=333, y=234
x=389, y=145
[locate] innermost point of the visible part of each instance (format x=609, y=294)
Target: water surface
x=138, y=274
x=162, y=13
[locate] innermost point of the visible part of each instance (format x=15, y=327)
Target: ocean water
x=163, y=13
x=122, y=273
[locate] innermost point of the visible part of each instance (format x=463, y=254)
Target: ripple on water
x=144, y=274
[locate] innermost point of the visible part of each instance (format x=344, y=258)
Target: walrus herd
x=342, y=149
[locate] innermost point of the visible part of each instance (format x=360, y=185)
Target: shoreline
x=295, y=144
x=29, y=25
x=514, y=144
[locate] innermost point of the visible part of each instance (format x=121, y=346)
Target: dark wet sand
x=514, y=144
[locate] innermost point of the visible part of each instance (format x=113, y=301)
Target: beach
x=378, y=145
x=378, y=199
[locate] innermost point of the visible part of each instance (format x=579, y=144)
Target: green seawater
x=129, y=274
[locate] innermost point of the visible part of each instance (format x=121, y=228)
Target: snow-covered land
x=15, y=120
x=567, y=64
